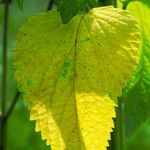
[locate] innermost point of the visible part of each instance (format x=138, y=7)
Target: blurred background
x=21, y=134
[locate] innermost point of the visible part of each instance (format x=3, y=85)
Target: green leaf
x=137, y=93
x=20, y=4
x=71, y=74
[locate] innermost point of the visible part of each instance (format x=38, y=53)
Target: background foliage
x=136, y=98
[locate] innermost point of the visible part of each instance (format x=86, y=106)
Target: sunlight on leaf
x=71, y=74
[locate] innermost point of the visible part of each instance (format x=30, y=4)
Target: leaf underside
x=71, y=74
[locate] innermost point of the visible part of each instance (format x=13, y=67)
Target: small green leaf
x=20, y=4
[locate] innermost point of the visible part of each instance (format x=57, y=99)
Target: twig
x=4, y=76
x=118, y=134
x=125, y=4
x=4, y=56
x=50, y=4
x=115, y=3
x=12, y=105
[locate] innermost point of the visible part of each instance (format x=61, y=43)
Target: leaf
x=137, y=94
x=20, y=4
x=72, y=73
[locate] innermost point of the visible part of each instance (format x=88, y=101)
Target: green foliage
x=137, y=93
x=136, y=109
x=137, y=98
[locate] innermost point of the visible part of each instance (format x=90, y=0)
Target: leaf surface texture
x=71, y=74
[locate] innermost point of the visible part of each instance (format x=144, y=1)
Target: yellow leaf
x=70, y=74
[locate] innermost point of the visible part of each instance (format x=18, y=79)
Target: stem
x=99, y=3
x=115, y=3
x=125, y=4
x=12, y=105
x=4, y=76
x=121, y=123
x=50, y=5
x=118, y=134
x=4, y=57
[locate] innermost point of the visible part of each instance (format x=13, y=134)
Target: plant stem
x=118, y=134
x=121, y=123
x=125, y=4
x=12, y=105
x=3, y=127
x=115, y=3
x=50, y=4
